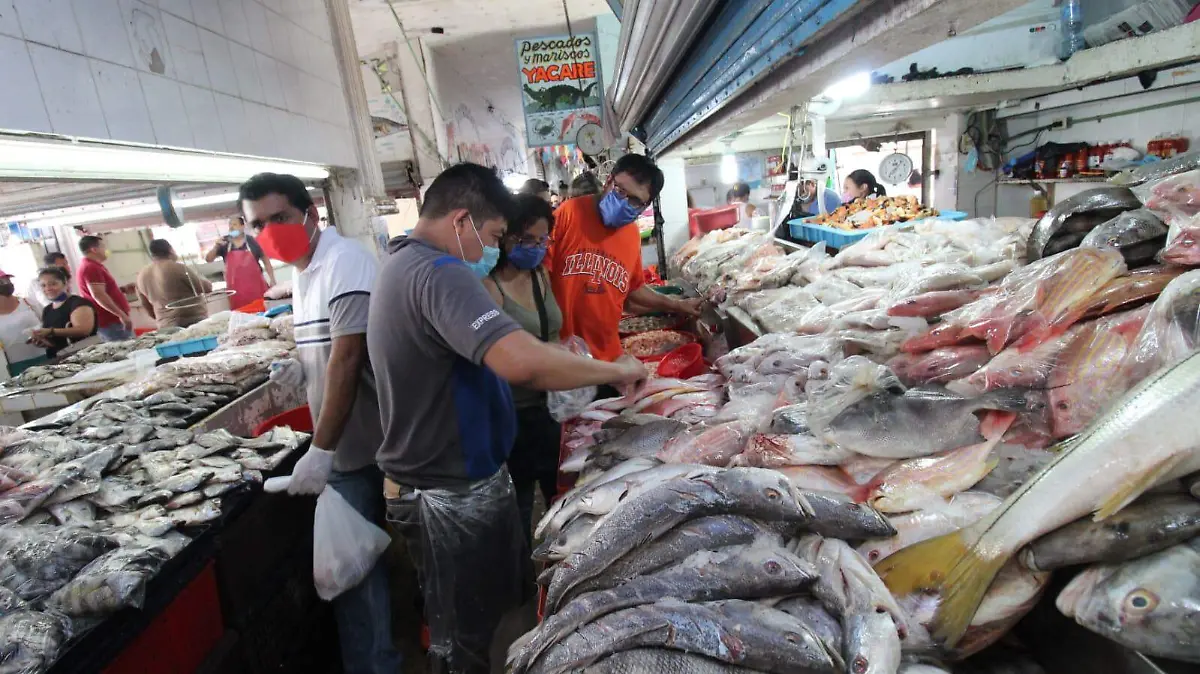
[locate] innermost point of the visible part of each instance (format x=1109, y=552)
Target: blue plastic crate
x=803, y=229
x=186, y=347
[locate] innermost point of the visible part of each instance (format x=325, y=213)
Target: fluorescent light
x=514, y=181
x=852, y=87
x=99, y=213
x=729, y=169
x=67, y=160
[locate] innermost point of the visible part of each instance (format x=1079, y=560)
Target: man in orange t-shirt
x=595, y=261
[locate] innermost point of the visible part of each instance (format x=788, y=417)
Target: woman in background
x=245, y=264
x=67, y=319
x=17, y=322
x=740, y=193
x=859, y=184
x=521, y=287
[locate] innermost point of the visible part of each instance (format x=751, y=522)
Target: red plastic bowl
x=684, y=362
x=298, y=419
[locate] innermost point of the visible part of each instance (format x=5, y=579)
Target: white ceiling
x=374, y=25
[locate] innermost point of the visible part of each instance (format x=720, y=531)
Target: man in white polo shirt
x=330, y=297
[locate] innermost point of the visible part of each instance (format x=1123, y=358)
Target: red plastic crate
x=722, y=217
x=180, y=638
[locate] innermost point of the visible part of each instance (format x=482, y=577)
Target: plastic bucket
x=298, y=419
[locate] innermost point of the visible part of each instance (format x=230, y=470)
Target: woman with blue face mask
x=521, y=287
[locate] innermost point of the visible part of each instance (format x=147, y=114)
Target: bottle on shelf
x=1071, y=25
x=1081, y=160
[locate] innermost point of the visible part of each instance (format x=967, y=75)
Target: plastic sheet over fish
x=30, y=641
x=37, y=560
x=113, y=581
x=1108, y=201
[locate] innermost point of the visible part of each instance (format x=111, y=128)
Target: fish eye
x=1140, y=602
x=773, y=495
x=772, y=567
x=873, y=556
x=859, y=665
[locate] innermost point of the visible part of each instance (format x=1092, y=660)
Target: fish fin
x=963, y=592
x=1135, y=485
x=995, y=424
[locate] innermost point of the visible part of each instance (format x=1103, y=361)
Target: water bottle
x=1072, y=29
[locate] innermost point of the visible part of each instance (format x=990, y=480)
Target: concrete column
x=370, y=174
x=944, y=195
x=608, y=32
x=673, y=201
x=436, y=109
x=422, y=126
x=353, y=213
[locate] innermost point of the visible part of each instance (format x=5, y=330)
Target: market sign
x=560, y=86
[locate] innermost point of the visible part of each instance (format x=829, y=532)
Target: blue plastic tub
x=804, y=229
x=186, y=347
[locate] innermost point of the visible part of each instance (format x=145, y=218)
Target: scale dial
x=896, y=168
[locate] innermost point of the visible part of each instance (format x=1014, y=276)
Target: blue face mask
x=527, y=257
x=615, y=210
x=485, y=264
x=62, y=297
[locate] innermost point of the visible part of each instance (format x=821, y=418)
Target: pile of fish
x=110, y=352
x=684, y=567
x=92, y=499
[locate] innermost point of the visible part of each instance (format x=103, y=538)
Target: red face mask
x=286, y=242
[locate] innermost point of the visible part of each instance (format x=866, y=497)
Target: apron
x=243, y=276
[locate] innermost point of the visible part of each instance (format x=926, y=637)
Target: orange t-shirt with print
x=592, y=269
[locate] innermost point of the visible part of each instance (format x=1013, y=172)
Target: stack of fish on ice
x=92, y=499
x=907, y=388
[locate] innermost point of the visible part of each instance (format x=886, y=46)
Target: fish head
x=1184, y=249
x=1147, y=604
x=761, y=493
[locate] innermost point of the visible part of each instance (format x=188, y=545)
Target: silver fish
x=197, y=514
x=31, y=641
x=1152, y=524
x=218, y=488
x=187, y=480
x=571, y=538
x=555, y=515
x=839, y=516
x=1104, y=200
x=754, y=492
x=217, y=462
x=185, y=499
x=872, y=644
x=128, y=519
x=1144, y=439
x=639, y=441
x=1147, y=604
x=919, y=422
x=810, y=612
x=77, y=512
x=193, y=451
x=1127, y=229
x=693, y=628
x=703, y=533
x=155, y=497
x=737, y=572
x=250, y=459
x=113, y=581
x=662, y=661
x=846, y=584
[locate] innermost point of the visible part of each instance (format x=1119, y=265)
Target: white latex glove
x=287, y=373
x=311, y=472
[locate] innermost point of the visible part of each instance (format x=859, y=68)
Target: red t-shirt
x=95, y=273
x=592, y=269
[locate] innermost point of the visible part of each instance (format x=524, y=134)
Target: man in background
x=37, y=299
x=595, y=262
x=538, y=188
x=165, y=281
x=245, y=264
x=97, y=284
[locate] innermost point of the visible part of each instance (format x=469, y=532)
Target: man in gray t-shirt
x=331, y=290
x=442, y=352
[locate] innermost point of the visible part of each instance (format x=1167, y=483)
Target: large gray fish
x=919, y=422
x=702, y=533
x=605, y=497
x=1103, y=202
x=702, y=629
x=1144, y=439
x=662, y=661
x=837, y=515
x=1127, y=230
x=753, y=492
x=1147, y=604
x=571, y=538
x=554, y=514
x=846, y=584
x=638, y=441
x=1150, y=525
x=812, y=613
x=740, y=572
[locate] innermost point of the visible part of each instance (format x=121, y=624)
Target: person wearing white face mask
x=442, y=352
x=245, y=264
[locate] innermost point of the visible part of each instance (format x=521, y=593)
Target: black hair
x=740, y=191
x=57, y=272
x=642, y=169
x=49, y=259
x=864, y=177
x=476, y=188
x=584, y=184
x=291, y=187
x=86, y=243
x=529, y=209
x=534, y=186
x=160, y=249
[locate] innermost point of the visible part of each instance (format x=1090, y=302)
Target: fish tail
x=950, y=566
x=996, y=423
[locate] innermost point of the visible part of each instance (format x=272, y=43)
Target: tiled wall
x=248, y=76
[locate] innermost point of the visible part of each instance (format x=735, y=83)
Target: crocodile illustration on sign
x=560, y=96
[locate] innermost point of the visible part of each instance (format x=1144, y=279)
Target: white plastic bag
x=345, y=545
x=564, y=405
